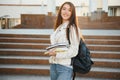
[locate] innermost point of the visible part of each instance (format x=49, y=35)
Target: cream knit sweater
x=59, y=36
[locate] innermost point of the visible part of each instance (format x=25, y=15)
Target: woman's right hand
x=51, y=52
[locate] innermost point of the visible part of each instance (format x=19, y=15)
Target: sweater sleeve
x=73, y=48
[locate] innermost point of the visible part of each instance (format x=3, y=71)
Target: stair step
x=106, y=60
x=40, y=52
x=24, y=45
x=24, y=60
x=24, y=77
x=102, y=73
x=46, y=62
x=48, y=36
x=24, y=71
x=43, y=46
x=37, y=77
x=47, y=40
x=105, y=54
x=24, y=40
x=102, y=69
x=102, y=42
x=25, y=35
x=117, y=37
x=95, y=72
x=109, y=63
x=24, y=66
x=26, y=50
x=22, y=52
x=104, y=47
x=25, y=57
x=102, y=37
x=113, y=63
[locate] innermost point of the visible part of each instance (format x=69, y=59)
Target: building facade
x=13, y=9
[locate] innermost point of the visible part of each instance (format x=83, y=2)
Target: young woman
x=60, y=62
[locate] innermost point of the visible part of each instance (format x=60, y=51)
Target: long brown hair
x=72, y=20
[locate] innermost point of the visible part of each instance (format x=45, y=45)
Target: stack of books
x=57, y=47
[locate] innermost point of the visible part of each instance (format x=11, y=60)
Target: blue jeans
x=60, y=72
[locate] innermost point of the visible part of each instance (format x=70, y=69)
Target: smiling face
x=66, y=12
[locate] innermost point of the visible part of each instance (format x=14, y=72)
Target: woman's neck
x=65, y=21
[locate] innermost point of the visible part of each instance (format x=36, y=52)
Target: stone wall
x=34, y=21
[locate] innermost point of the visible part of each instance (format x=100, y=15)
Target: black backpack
x=82, y=61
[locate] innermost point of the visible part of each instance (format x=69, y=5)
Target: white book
x=58, y=45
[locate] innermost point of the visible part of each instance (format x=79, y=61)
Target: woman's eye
x=64, y=9
x=70, y=10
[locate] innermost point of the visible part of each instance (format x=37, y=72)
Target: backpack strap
x=68, y=37
x=74, y=73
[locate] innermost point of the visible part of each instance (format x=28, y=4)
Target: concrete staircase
x=22, y=56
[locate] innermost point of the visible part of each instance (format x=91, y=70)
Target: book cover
x=58, y=45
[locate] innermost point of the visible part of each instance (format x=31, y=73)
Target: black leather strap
x=74, y=74
x=68, y=31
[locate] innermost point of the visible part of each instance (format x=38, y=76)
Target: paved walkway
x=37, y=77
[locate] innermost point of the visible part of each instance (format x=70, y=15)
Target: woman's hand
x=51, y=52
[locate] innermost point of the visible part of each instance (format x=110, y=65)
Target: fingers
x=51, y=52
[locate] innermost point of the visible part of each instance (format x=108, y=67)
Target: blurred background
x=35, y=13
x=25, y=28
